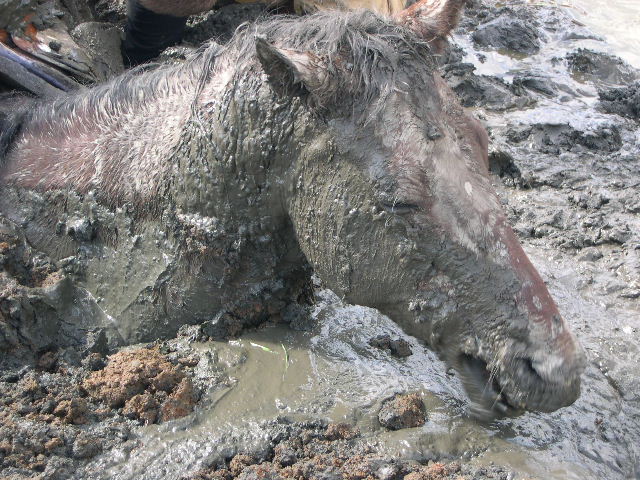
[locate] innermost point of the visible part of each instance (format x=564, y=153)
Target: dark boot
x=147, y=33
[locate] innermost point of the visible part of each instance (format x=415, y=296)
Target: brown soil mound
x=55, y=417
x=45, y=419
x=145, y=383
x=403, y=411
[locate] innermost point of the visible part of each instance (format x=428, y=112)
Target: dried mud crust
x=54, y=417
x=336, y=452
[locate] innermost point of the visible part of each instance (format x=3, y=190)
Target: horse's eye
x=400, y=208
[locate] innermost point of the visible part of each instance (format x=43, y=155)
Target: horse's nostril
x=483, y=387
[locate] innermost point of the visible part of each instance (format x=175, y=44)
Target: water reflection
x=616, y=20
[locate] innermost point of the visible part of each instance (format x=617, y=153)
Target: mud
x=395, y=346
x=568, y=166
x=624, y=101
x=145, y=384
x=311, y=451
x=55, y=416
x=616, y=23
x=565, y=152
x=508, y=33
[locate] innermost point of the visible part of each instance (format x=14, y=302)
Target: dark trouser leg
x=148, y=33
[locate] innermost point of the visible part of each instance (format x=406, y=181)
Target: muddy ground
x=318, y=398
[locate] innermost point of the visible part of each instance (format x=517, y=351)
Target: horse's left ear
x=289, y=70
x=433, y=20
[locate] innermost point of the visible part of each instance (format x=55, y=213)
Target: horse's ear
x=433, y=20
x=289, y=70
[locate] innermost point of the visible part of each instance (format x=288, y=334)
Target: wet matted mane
x=364, y=47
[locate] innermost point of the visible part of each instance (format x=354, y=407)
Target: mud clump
x=341, y=431
x=102, y=43
x=555, y=139
x=597, y=66
x=623, y=101
x=94, y=361
x=220, y=24
x=489, y=92
x=403, y=411
x=47, y=426
x=508, y=33
x=38, y=309
x=145, y=384
x=397, y=347
x=537, y=82
x=180, y=403
x=436, y=471
x=55, y=417
x=502, y=165
x=113, y=11
x=19, y=263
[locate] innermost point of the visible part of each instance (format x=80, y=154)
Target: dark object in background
x=398, y=347
x=148, y=33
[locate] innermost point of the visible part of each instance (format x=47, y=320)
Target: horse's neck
x=118, y=147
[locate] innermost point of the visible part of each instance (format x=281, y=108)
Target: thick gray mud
x=565, y=153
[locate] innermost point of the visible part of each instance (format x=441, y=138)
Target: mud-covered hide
x=247, y=172
x=42, y=309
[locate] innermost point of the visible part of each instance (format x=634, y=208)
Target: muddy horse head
x=325, y=143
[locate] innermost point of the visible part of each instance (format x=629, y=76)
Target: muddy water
x=617, y=20
x=333, y=373
x=329, y=373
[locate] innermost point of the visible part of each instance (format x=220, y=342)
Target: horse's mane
x=126, y=92
x=366, y=48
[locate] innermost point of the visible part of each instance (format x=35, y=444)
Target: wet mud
x=315, y=397
x=313, y=451
x=56, y=416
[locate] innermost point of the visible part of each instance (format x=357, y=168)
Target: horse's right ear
x=291, y=71
x=433, y=20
